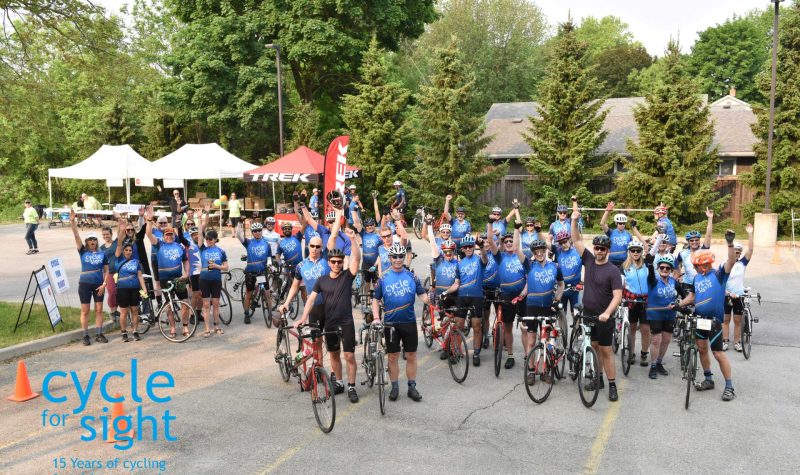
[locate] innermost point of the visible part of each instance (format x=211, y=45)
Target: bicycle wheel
x=322, y=400
x=266, y=306
x=560, y=364
x=574, y=352
x=368, y=363
x=427, y=329
x=615, y=336
x=417, y=224
x=356, y=288
x=537, y=377
x=747, y=325
x=283, y=355
x=589, y=376
x=497, y=341
x=248, y=312
x=459, y=355
x=225, y=307
x=626, y=349
x=146, y=317
x=177, y=307
x=380, y=372
x=234, y=283
x=691, y=373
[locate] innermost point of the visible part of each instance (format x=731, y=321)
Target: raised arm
x=240, y=232
x=74, y=227
x=748, y=254
x=604, y=219
x=709, y=228
x=426, y=233
x=490, y=238
x=729, y=237
x=518, y=241
x=446, y=212
x=335, y=227
x=298, y=210
x=149, y=229
x=434, y=247
x=377, y=208
x=357, y=224
x=355, y=250
x=513, y=210
x=122, y=223
x=577, y=239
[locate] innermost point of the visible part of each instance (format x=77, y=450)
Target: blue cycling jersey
x=511, y=273
x=290, y=250
x=195, y=264
x=470, y=275
x=342, y=242
x=526, y=238
x=370, y=242
x=92, y=263
x=636, y=280
x=383, y=257
x=170, y=258
x=570, y=264
x=684, y=260
x=128, y=277
x=446, y=273
x=110, y=252
x=669, y=230
x=709, y=293
x=660, y=295
x=499, y=228
x=398, y=290
x=491, y=274
x=541, y=280
x=561, y=225
x=258, y=250
x=215, y=254
x=619, y=245
x=460, y=229
x=309, y=271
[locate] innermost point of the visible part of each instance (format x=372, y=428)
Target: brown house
x=507, y=123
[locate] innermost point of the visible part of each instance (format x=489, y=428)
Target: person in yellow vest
x=31, y=219
x=234, y=210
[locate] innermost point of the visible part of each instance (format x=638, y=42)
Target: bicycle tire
x=615, y=335
x=234, y=282
x=497, y=342
x=248, y=312
x=691, y=374
x=458, y=361
x=225, y=307
x=560, y=364
x=266, y=304
x=574, y=353
x=322, y=400
x=294, y=306
x=356, y=288
x=417, y=225
x=427, y=329
x=626, y=350
x=380, y=372
x=369, y=367
x=163, y=321
x=146, y=319
x=747, y=325
x=542, y=385
x=589, y=374
x=283, y=355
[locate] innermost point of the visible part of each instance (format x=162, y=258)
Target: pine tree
x=449, y=159
x=566, y=137
x=117, y=131
x=673, y=161
x=785, y=182
x=377, y=120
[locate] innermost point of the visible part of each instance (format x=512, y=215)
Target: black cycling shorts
x=733, y=305
x=250, y=281
x=475, y=302
x=658, y=326
x=348, y=340
x=533, y=311
x=637, y=313
x=449, y=301
x=210, y=288
x=510, y=310
x=714, y=335
x=127, y=298
x=194, y=282
x=88, y=292
x=487, y=305
x=405, y=333
x=603, y=332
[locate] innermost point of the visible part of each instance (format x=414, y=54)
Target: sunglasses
x=694, y=240
x=600, y=249
x=635, y=251
x=447, y=253
x=189, y=223
x=664, y=268
x=397, y=257
x=257, y=231
x=469, y=246
x=508, y=241
x=129, y=230
x=562, y=212
x=529, y=225
x=161, y=223
x=386, y=236
x=336, y=262
x=315, y=246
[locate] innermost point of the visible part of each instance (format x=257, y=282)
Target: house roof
x=509, y=122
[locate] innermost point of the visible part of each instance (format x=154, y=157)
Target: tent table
x=255, y=212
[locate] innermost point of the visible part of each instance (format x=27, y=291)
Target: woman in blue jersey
x=130, y=283
x=470, y=289
x=172, y=264
x=213, y=260
x=370, y=242
x=664, y=226
x=529, y=234
x=461, y=227
x=619, y=236
x=91, y=285
x=662, y=291
x=258, y=251
x=570, y=263
x=636, y=288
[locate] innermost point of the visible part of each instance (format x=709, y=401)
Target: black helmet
x=211, y=234
x=286, y=225
x=538, y=244
x=601, y=240
x=461, y=209
x=335, y=253
x=506, y=236
x=369, y=222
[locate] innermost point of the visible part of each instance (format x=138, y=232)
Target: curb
x=21, y=349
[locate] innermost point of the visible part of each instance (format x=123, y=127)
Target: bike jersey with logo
x=170, y=257
x=685, y=260
x=541, y=280
x=320, y=231
x=558, y=226
x=342, y=242
x=660, y=295
x=491, y=274
x=669, y=230
x=110, y=252
x=309, y=271
x=272, y=238
x=470, y=275
x=257, y=252
x=570, y=264
x=158, y=235
x=128, y=277
x=290, y=250
x=735, y=285
x=459, y=230
x=370, y=242
x=636, y=279
x=383, y=256
x=511, y=273
x=92, y=263
x=446, y=273
x=195, y=265
x=709, y=293
x=499, y=228
x=619, y=245
x=215, y=254
x=398, y=289
x=526, y=238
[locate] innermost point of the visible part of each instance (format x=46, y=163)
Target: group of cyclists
x=511, y=263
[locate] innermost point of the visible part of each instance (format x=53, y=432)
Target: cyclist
x=258, y=251
x=460, y=226
x=397, y=288
x=213, y=260
x=562, y=222
x=662, y=291
x=130, y=282
x=619, y=236
x=531, y=233
x=91, y=285
x=370, y=242
x=192, y=246
x=570, y=264
x=306, y=217
x=109, y=247
x=270, y=235
x=636, y=288
x=445, y=270
x=684, y=259
x=512, y=267
x=400, y=202
x=709, y=293
x=499, y=224
x=470, y=289
x=490, y=283
x=445, y=233
x=601, y=297
x=172, y=263
x=313, y=202
x=543, y=287
x=336, y=290
x=734, y=291
x=161, y=224
x=354, y=205
x=664, y=225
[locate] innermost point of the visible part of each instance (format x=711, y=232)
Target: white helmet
x=620, y=218
x=397, y=183
x=635, y=244
x=270, y=220
x=445, y=227
x=738, y=246
x=397, y=250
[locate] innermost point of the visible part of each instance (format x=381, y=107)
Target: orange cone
x=22, y=390
x=118, y=410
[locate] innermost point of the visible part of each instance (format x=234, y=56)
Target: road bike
x=373, y=361
x=362, y=290
x=748, y=319
x=498, y=329
x=450, y=338
x=283, y=354
x=622, y=333
x=419, y=220
x=234, y=281
x=261, y=297
x=687, y=346
x=584, y=365
x=546, y=361
x=164, y=316
x=280, y=282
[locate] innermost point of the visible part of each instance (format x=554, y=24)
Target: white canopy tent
x=109, y=162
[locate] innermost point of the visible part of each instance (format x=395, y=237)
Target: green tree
x=377, y=121
x=785, y=182
x=673, y=161
x=565, y=140
x=731, y=55
x=116, y=130
x=614, y=65
x=449, y=158
x=603, y=34
x=644, y=80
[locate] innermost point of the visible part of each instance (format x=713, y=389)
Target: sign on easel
x=59, y=274
x=46, y=292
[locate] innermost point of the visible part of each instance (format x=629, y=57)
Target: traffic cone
x=22, y=390
x=118, y=410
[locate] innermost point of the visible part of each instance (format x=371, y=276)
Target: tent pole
x=127, y=188
x=50, y=188
x=220, y=203
x=274, y=201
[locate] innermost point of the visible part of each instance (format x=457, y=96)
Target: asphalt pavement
x=234, y=414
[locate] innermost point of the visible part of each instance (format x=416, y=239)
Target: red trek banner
x=335, y=161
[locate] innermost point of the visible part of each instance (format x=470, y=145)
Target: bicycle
x=283, y=354
x=748, y=319
x=622, y=330
x=584, y=365
x=362, y=290
x=546, y=361
x=419, y=220
x=261, y=297
x=234, y=281
x=280, y=283
x=373, y=363
x=688, y=347
x=498, y=329
x=166, y=313
x=313, y=377
x=450, y=338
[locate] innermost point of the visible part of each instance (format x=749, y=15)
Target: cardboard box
x=248, y=203
x=200, y=195
x=258, y=203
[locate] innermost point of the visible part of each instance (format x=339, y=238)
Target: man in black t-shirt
x=336, y=289
x=602, y=293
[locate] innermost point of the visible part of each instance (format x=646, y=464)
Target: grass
x=38, y=326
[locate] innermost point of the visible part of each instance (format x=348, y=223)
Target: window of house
x=727, y=166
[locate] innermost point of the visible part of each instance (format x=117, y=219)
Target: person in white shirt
x=734, y=289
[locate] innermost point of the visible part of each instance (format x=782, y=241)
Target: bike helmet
x=369, y=222
x=270, y=220
x=468, y=240
x=211, y=235
x=286, y=225
x=351, y=187
x=703, y=257
x=538, y=244
x=314, y=213
x=693, y=235
x=397, y=250
x=620, y=218
x=507, y=236
x=397, y=183
x=635, y=244
x=497, y=210
x=256, y=227
x=738, y=246
x=448, y=245
x=664, y=259
x=601, y=240
x=530, y=219
x=330, y=216
x=482, y=236
x=561, y=209
x=193, y=230
x=461, y=209
x=335, y=198
x=335, y=253
x=445, y=227
x=562, y=236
